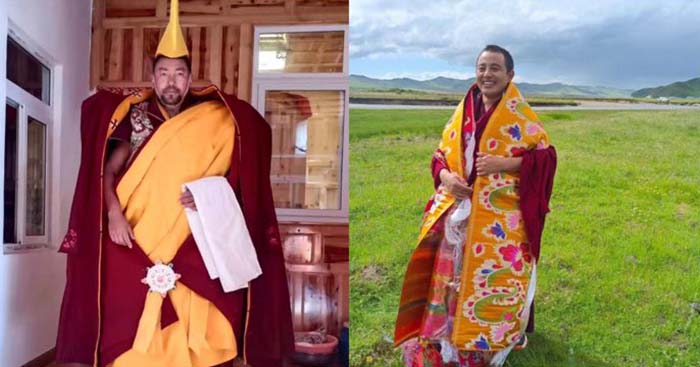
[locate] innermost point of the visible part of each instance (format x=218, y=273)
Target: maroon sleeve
x=269, y=338
x=437, y=164
x=536, y=181
x=84, y=216
x=78, y=320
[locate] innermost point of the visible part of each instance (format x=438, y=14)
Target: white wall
x=31, y=285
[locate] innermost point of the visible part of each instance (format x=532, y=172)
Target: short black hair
x=502, y=51
x=186, y=59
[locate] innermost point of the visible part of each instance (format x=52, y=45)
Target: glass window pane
x=36, y=177
x=10, y=194
x=301, y=52
x=307, y=130
x=27, y=71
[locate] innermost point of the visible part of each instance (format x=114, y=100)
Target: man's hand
x=455, y=184
x=487, y=164
x=119, y=230
x=187, y=200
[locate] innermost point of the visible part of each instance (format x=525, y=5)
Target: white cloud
x=604, y=42
x=426, y=75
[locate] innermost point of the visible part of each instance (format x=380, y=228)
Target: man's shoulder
x=106, y=95
x=103, y=99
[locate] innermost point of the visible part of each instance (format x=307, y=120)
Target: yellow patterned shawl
x=491, y=309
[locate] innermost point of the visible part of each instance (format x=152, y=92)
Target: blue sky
x=624, y=44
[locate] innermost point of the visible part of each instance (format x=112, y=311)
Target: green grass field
x=620, y=263
x=408, y=96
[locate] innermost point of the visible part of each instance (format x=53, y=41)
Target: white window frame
x=266, y=81
x=29, y=105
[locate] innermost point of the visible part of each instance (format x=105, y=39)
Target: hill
x=361, y=83
x=688, y=88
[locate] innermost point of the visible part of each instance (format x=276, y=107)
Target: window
x=36, y=178
x=300, y=85
x=11, y=158
x=301, y=52
x=26, y=143
x=27, y=71
x=306, y=139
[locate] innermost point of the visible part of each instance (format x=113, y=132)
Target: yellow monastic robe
x=196, y=143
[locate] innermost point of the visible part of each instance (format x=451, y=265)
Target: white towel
x=221, y=234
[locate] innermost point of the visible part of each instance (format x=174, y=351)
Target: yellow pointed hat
x=173, y=44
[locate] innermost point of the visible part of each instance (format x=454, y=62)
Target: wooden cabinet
x=316, y=258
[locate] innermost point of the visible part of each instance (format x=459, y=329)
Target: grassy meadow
x=412, y=96
x=620, y=262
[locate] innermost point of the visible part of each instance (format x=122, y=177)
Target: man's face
x=492, y=76
x=171, y=80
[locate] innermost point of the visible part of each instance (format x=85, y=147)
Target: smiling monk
x=469, y=287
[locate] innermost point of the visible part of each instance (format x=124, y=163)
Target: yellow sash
x=196, y=143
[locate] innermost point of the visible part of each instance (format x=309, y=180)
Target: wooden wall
x=219, y=33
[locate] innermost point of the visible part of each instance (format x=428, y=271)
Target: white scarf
x=219, y=229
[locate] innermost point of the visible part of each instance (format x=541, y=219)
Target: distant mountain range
x=361, y=83
x=439, y=84
x=688, y=88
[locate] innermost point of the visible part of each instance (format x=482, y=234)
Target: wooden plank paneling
x=290, y=6
x=162, y=9
x=115, y=55
x=125, y=35
x=196, y=51
x=130, y=4
x=341, y=295
x=230, y=59
x=127, y=59
x=245, y=55
x=215, y=48
x=271, y=15
x=150, y=45
x=206, y=54
x=97, y=43
x=137, y=55
x=202, y=7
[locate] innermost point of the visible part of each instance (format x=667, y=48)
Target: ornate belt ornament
x=161, y=278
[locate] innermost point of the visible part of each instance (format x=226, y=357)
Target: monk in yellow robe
x=140, y=150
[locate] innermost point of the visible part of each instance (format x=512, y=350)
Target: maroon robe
x=110, y=327
x=536, y=181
